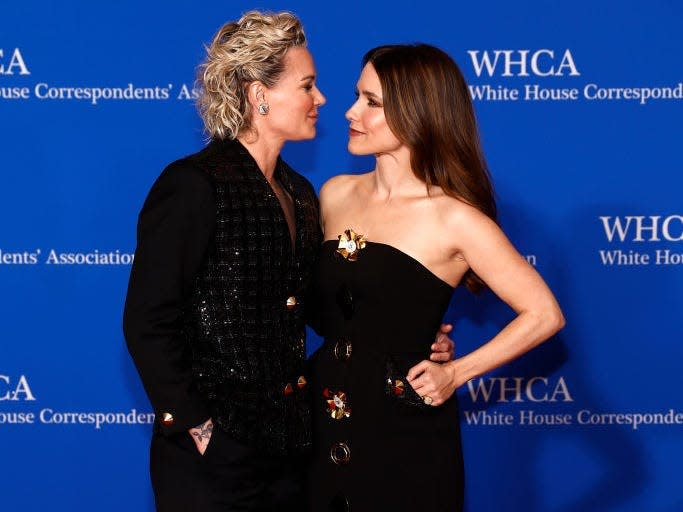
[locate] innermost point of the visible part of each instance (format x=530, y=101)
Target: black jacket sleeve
x=175, y=227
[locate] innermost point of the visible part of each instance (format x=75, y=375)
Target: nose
x=351, y=113
x=320, y=99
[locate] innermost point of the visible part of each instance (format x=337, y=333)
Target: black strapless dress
x=377, y=446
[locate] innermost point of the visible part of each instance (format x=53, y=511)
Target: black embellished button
x=345, y=301
x=340, y=453
x=340, y=503
x=342, y=350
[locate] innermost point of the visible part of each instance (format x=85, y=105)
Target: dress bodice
x=386, y=291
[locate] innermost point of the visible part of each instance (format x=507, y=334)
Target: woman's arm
x=492, y=257
x=174, y=229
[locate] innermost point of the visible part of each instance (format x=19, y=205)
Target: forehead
x=369, y=80
x=298, y=62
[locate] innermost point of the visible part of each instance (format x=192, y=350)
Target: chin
x=303, y=136
x=355, y=150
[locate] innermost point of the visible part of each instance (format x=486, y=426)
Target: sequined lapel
x=282, y=175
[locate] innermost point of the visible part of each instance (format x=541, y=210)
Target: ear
x=256, y=93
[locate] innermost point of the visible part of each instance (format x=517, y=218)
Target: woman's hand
x=434, y=382
x=443, y=347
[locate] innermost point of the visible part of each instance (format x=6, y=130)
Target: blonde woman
x=214, y=312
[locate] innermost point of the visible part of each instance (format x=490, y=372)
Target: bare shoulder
x=339, y=195
x=464, y=219
x=339, y=184
x=458, y=213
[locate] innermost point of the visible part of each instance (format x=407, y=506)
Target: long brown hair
x=428, y=108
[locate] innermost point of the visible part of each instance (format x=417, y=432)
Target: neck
x=393, y=176
x=264, y=152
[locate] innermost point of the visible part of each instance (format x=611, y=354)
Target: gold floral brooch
x=337, y=404
x=350, y=244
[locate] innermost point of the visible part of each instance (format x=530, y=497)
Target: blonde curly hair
x=250, y=49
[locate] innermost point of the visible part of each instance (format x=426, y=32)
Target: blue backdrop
x=580, y=109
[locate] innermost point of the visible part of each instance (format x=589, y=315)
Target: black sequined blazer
x=214, y=312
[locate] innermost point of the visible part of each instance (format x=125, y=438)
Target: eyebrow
x=309, y=77
x=370, y=95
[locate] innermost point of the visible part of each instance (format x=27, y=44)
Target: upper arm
x=495, y=260
x=174, y=229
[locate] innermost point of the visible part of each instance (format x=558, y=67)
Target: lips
x=354, y=133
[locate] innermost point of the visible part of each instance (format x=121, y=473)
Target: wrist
x=452, y=369
x=459, y=372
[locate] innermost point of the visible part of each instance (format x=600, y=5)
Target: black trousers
x=228, y=477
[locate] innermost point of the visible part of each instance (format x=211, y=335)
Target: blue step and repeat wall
x=580, y=107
